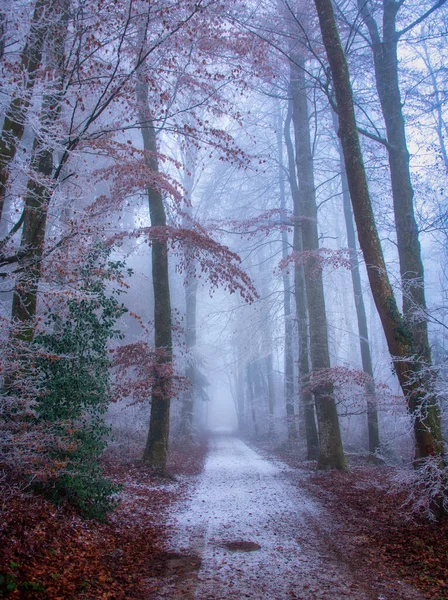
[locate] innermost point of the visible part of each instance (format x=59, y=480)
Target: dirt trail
x=249, y=531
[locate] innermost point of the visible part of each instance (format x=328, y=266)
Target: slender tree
x=331, y=454
x=251, y=393
x=287, y=293
x=191, y=289
x=364, y=344
x=300, y=296
x=156, y=449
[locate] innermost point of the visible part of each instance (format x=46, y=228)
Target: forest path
x=243, y=497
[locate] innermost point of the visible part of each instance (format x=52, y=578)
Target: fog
x=200, y=180
x=223, y=299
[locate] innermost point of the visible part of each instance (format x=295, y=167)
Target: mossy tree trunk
x=15, y=114
x=412, y=375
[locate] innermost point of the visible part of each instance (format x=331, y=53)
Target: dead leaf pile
x=374, y=533
x=50, y=553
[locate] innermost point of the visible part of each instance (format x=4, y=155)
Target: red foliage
x=52, y=553
x=218, y=262
x=141, y=370
x=324, y=257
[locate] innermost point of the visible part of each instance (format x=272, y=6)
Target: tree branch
x=14, y=230
x=436, y=6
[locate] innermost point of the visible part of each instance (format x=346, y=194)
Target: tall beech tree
x=331, y=454
x=300, y=296
x=156, y=449
x=412, y=373
x=30, y=61
x=361, y=317
x=384, y=47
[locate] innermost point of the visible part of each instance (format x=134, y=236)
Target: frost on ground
x=250, y=531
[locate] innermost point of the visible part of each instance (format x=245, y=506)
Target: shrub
x=72, y=368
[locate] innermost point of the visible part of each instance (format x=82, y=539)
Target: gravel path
x=249, y=531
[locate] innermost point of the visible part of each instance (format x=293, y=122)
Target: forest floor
x=259, y=528
x=371, y=528
x=50, y=553
x=235, y=522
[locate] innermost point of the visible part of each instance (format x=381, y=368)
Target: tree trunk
x=372, y=414
x=3, y=25
x=288, y=316
x=266, y=386
x=251, y=395
x=306, y=397
x=40, y=186
x=14, y=120
x=191, y=288
x=385, y=56
x=260, y=391
x=331, y=454
x=156, y=450
x=414, y=379
x=241, y=404
x=271, y=393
